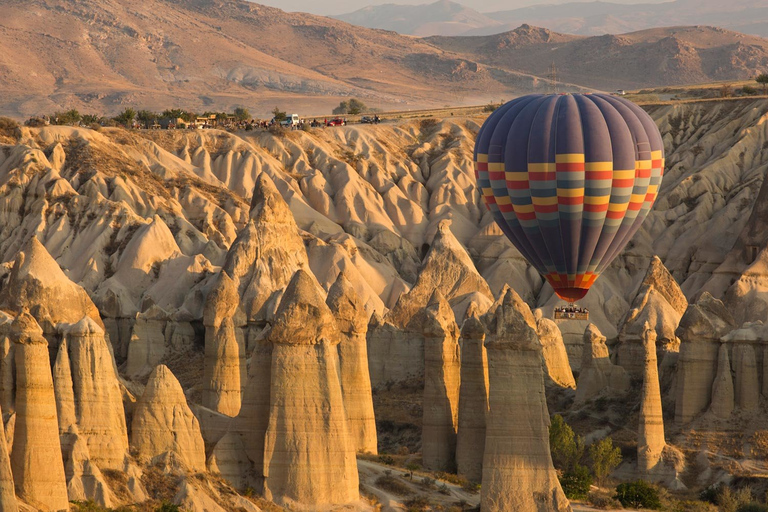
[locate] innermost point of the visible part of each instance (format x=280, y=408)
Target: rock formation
x=554, y=353
x=163, y=423
x=448, y=269
x=147, y=344
x=473, y=400
x=348, y=310
x=394, y=354
x=36, y=461
x=309, y=456
x=97, y=397
x=598, y=375
x=650, y=432
x=700, y=330
x=517, y=465
x=37, y=280
x=442, y=375
x=659, y=303
x=224, y=354
x=746, y=386
x=7, y=492
x=722, y=388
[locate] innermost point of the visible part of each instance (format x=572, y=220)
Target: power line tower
x=552, y=76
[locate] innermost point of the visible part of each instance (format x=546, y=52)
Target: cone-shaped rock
x=659, y=303
x=554, y=353
x=518, y=475
x=7, y=492
x=309, y=456
x=442, y=376
x=224, y=359
x=650, y=433
x=36, y=460
x=722, y=388
x=473, y=400
x=349, y=311
x=266, y=254
x=147, y=345
x=97, y=395
x=37, y=280
x=598, y=375
x=163, y=422
x=448, y=269
x=700, y=330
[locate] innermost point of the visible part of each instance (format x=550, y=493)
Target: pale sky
x=329, y=7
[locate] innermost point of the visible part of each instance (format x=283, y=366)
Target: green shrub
x=730, y=500
x=8, y=126
x=638, y=495
x=567, y=448
x=576, y=483
x=604, y=458
x=168, y=507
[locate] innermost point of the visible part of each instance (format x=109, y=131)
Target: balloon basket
x=571, y=312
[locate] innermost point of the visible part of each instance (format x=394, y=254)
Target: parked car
x=367, y=120
x=336, y=121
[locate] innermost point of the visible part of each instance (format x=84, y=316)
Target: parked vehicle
x=336, y=121
x=291, y=120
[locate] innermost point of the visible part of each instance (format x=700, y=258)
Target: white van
x=291, y=120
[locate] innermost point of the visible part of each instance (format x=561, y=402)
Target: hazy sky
x=326, y=7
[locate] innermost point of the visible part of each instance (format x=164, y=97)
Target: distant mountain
x=581, y=18
x=654, y=57
x=599, y=18
x=443, y=17
x=104, y=55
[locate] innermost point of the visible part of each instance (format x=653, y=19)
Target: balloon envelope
x=569, y=179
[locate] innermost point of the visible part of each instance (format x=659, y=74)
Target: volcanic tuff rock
x=554, y=353
x=442, y=375
x=448, y=269
x=97, y=399
x=37, y=280
x=7, y=492
x=517, y=465
x=700, y=330
x=36, y=460
x=309, y=455
x=394, y=354
x=598, y=375
x=224, y=354
x=660, y=303
x=473, y=399
x=746, y=385
x=722, y=387
x=347, y=309
x=164, y=424
x=147, y=345
x=650, y=433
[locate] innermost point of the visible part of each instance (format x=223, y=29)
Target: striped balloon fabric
x=569, y=179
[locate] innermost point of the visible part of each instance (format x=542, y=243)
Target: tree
x=341, y=109
x=242, y=114
x=174, y=113
x=146, y=117
x=411, y=467
x=126, y=117
x=604, y=458
x=567, y=448
x=278, y=114
x=353, y=106
x=762, y=79
x=89, y=119
x=576, y=483
x=68, y=117
x=638, y=495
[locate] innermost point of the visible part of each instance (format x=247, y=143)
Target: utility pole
x=552, y=76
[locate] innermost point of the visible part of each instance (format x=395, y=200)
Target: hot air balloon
x=569, y=179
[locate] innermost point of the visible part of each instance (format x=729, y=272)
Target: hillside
x=217, y=54
x=444, y=18
x=654, y=57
